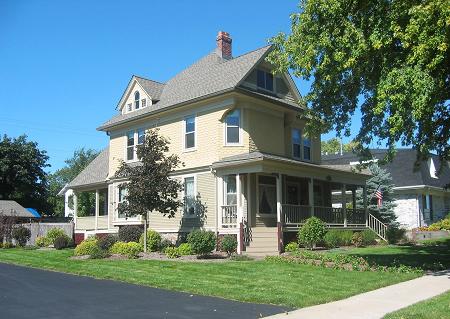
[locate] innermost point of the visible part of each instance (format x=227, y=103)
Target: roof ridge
x=141, y=77
x=254, y=50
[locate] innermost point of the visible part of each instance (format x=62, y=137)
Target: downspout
x=217, y=201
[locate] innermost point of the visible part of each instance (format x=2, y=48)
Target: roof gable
x=150, y=88
x=95, y=173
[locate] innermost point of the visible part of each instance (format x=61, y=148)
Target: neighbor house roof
x=95, y=173
x=208, y=76
x=257, y=156
x=12, y=208
x=401, y=168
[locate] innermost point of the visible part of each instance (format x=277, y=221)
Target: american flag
x=379, y=196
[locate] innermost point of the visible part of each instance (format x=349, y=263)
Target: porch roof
x=95, y=173
x=254, y=157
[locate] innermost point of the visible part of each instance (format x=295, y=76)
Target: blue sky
x=65, y=64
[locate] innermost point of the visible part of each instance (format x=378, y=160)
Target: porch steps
x=264, y=241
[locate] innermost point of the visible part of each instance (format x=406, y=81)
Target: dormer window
x=129, y=107
x=265, y=80
x=137, y=97
x=144, y=102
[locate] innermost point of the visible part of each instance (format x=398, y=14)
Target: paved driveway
x=32, y=293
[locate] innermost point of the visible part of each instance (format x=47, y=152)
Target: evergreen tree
x=381, y=180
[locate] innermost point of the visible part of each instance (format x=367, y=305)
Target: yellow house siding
x=267, y=132
x=116, y=152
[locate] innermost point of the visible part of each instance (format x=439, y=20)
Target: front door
x=292, y=193
x=267, y=196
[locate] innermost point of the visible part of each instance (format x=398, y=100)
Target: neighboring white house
x=420, y=194
x=68, y=195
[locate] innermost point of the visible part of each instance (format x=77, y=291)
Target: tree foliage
x=22, y=172
x=333, y=146
x=148, y=184
x=389, y=58
x=381, y=179
x=74, y=165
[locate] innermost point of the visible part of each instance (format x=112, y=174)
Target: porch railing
x=295, y=215
x=229, y=216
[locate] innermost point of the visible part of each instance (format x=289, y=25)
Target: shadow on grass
x=424, y=257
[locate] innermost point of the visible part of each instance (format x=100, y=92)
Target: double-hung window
x=134, y=138
x=189, y=132
x=296, y=143
x=230, y=187
x=264, y=80
x=232, y=128
x=306, y=149
x=189, y=196
x=137, y=97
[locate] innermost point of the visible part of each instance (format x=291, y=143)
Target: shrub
x=88, y=246
x=172, y=252
x=61, y=242
x=164, y=244
x=394, y=234
x=368, y=237
x=8, y=245
x=291, y=247
x=129, y=249
x=106, y=242
x=443, y=224
x=153, y=240
x=346, y=237
x=332, y=239
x=185, y=249
x=229, y=244
x=54, y=233
x=357, y=239
x=130, y=233
x=42, y=242
x=99, y=254
x=1, y=244
x=312, y=232
x=202, y=242
x=21, y=234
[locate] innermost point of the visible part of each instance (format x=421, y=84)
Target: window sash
x=232, y=128
x=189, y=132
x=296, y=143
x=189, y=196
x=306, y=149
x=230, y=190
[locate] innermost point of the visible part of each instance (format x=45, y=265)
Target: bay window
x=301, y=145
x=296, y=143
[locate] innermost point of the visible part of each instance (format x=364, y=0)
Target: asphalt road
x=33, y=293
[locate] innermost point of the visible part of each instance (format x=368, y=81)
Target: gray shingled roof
x=208, y=76
x=12, y=208
x=153, y=88
x=401, y=168
x=96, y=172
x=230, y=160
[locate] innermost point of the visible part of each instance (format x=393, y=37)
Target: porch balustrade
x=229, y=216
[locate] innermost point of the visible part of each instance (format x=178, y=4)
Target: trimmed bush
x=54, y=233
x=164, y=244
x=228, y=244
x=312, y=232
x=202, y=242
x=129, y=249
x=153, y=240
x=357, y=239
x=130, y=233
x=394, y=234
x=369, y=237
x=88, y=246
x=172, y=252
x=61, y=242
x=21, y=234
x=106, y=242
x=291, y=247
x=185, y=249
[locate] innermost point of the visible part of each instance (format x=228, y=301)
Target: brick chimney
x=224, y=44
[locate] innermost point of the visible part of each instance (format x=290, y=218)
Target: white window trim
x=274, y=215
x=136, y=143
x=225, y=137
x=183, y=177
x=183, y=135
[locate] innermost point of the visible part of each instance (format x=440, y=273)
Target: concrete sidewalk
x=375, y=304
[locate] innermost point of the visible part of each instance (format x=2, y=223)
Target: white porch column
x=366, y=213
x=311, y=195
x=279, y=195
x=249, y=200
x=75, y=207
x=220, y=196
x=344, y=204
x=239, y=213
x=97, y=207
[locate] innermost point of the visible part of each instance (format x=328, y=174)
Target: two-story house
x=239, y=130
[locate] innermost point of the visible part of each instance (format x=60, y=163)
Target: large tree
x=333, y=146
x=74, y=165
x=22, y=172
x=390, y=58
x=149, y=186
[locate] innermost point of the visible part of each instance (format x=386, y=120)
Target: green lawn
x=253, y=281
x=434, y=308
x=425, y=257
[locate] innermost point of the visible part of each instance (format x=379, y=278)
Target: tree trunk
x=145, y=233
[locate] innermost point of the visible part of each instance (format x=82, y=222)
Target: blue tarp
x=34, y=212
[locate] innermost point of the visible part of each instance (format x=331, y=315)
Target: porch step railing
x=377, y=226
x=229, y=216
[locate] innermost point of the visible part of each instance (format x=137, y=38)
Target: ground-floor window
x=230, y=189
x=267, y=189
x=189, y=196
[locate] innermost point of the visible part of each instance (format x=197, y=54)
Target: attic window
x=137, y=97
x=264, y=80
x=129, y=107
x=144, y=102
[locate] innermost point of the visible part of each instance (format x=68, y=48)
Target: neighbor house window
x=296, y=143
x=232, y=123
x=306, y=149
x=230, y=188
x=189, y=132
x=189, y=196
x=267, y=194
x=134, y=138
x=144, y=102
x=137, y=97
x=265, y=80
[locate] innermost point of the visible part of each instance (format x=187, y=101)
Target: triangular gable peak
x=261, y=79
x=135, y=97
